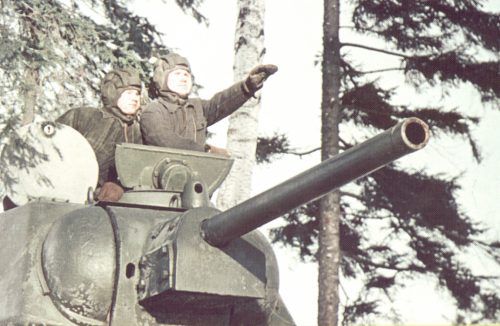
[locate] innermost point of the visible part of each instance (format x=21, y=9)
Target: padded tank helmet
x=117, y=81
x=165, y=65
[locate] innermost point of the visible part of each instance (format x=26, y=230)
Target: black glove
x=257, y=76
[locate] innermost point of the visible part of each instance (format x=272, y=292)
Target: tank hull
x=25, y=298
x=70, y=264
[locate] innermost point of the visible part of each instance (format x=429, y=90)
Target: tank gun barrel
x=404, y=138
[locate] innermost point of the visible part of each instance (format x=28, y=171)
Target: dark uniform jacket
x=103, y=129
x=171, y=121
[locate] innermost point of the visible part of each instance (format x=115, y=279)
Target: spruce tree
x=443, y=44
x=53, y=55
x=329, y=213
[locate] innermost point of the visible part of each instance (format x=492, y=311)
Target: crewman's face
x=129, y=101
x=180, y=81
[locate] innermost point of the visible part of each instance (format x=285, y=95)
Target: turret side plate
x=136, y=164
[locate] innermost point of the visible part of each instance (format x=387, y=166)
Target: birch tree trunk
x=29, y=95
x=329, y=244
x=28, y=91
x=243, y=124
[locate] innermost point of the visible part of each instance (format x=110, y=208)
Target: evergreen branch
x=451, y=67
x=374, y=49
x=409, y=268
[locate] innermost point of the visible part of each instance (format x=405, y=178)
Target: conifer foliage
x=440, y=43
x=53, y=54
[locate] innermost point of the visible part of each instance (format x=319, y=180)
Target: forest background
x=291, y=106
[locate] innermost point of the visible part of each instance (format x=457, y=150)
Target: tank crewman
x=116, y=122
x=177, y=121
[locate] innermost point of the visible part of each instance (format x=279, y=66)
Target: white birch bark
x=31, y=80
x=243, y=124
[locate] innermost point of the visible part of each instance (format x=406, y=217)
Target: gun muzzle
x=404, y=138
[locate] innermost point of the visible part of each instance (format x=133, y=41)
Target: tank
x=163, y=254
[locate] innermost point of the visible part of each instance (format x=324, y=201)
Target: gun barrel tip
x=415, y=133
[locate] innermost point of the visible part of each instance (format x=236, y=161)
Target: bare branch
x=379, y=70
x=300, y=154
x=374, y=49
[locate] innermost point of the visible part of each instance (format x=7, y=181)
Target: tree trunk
x=243, y=124
x=329, y=245
x=29, y=95
x=31, y=75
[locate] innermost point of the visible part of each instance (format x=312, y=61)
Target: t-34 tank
x=163, y=255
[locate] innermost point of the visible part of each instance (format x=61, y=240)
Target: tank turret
x=163, y=254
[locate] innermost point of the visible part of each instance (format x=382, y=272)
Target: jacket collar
x=172, y=102
x=114, y=112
